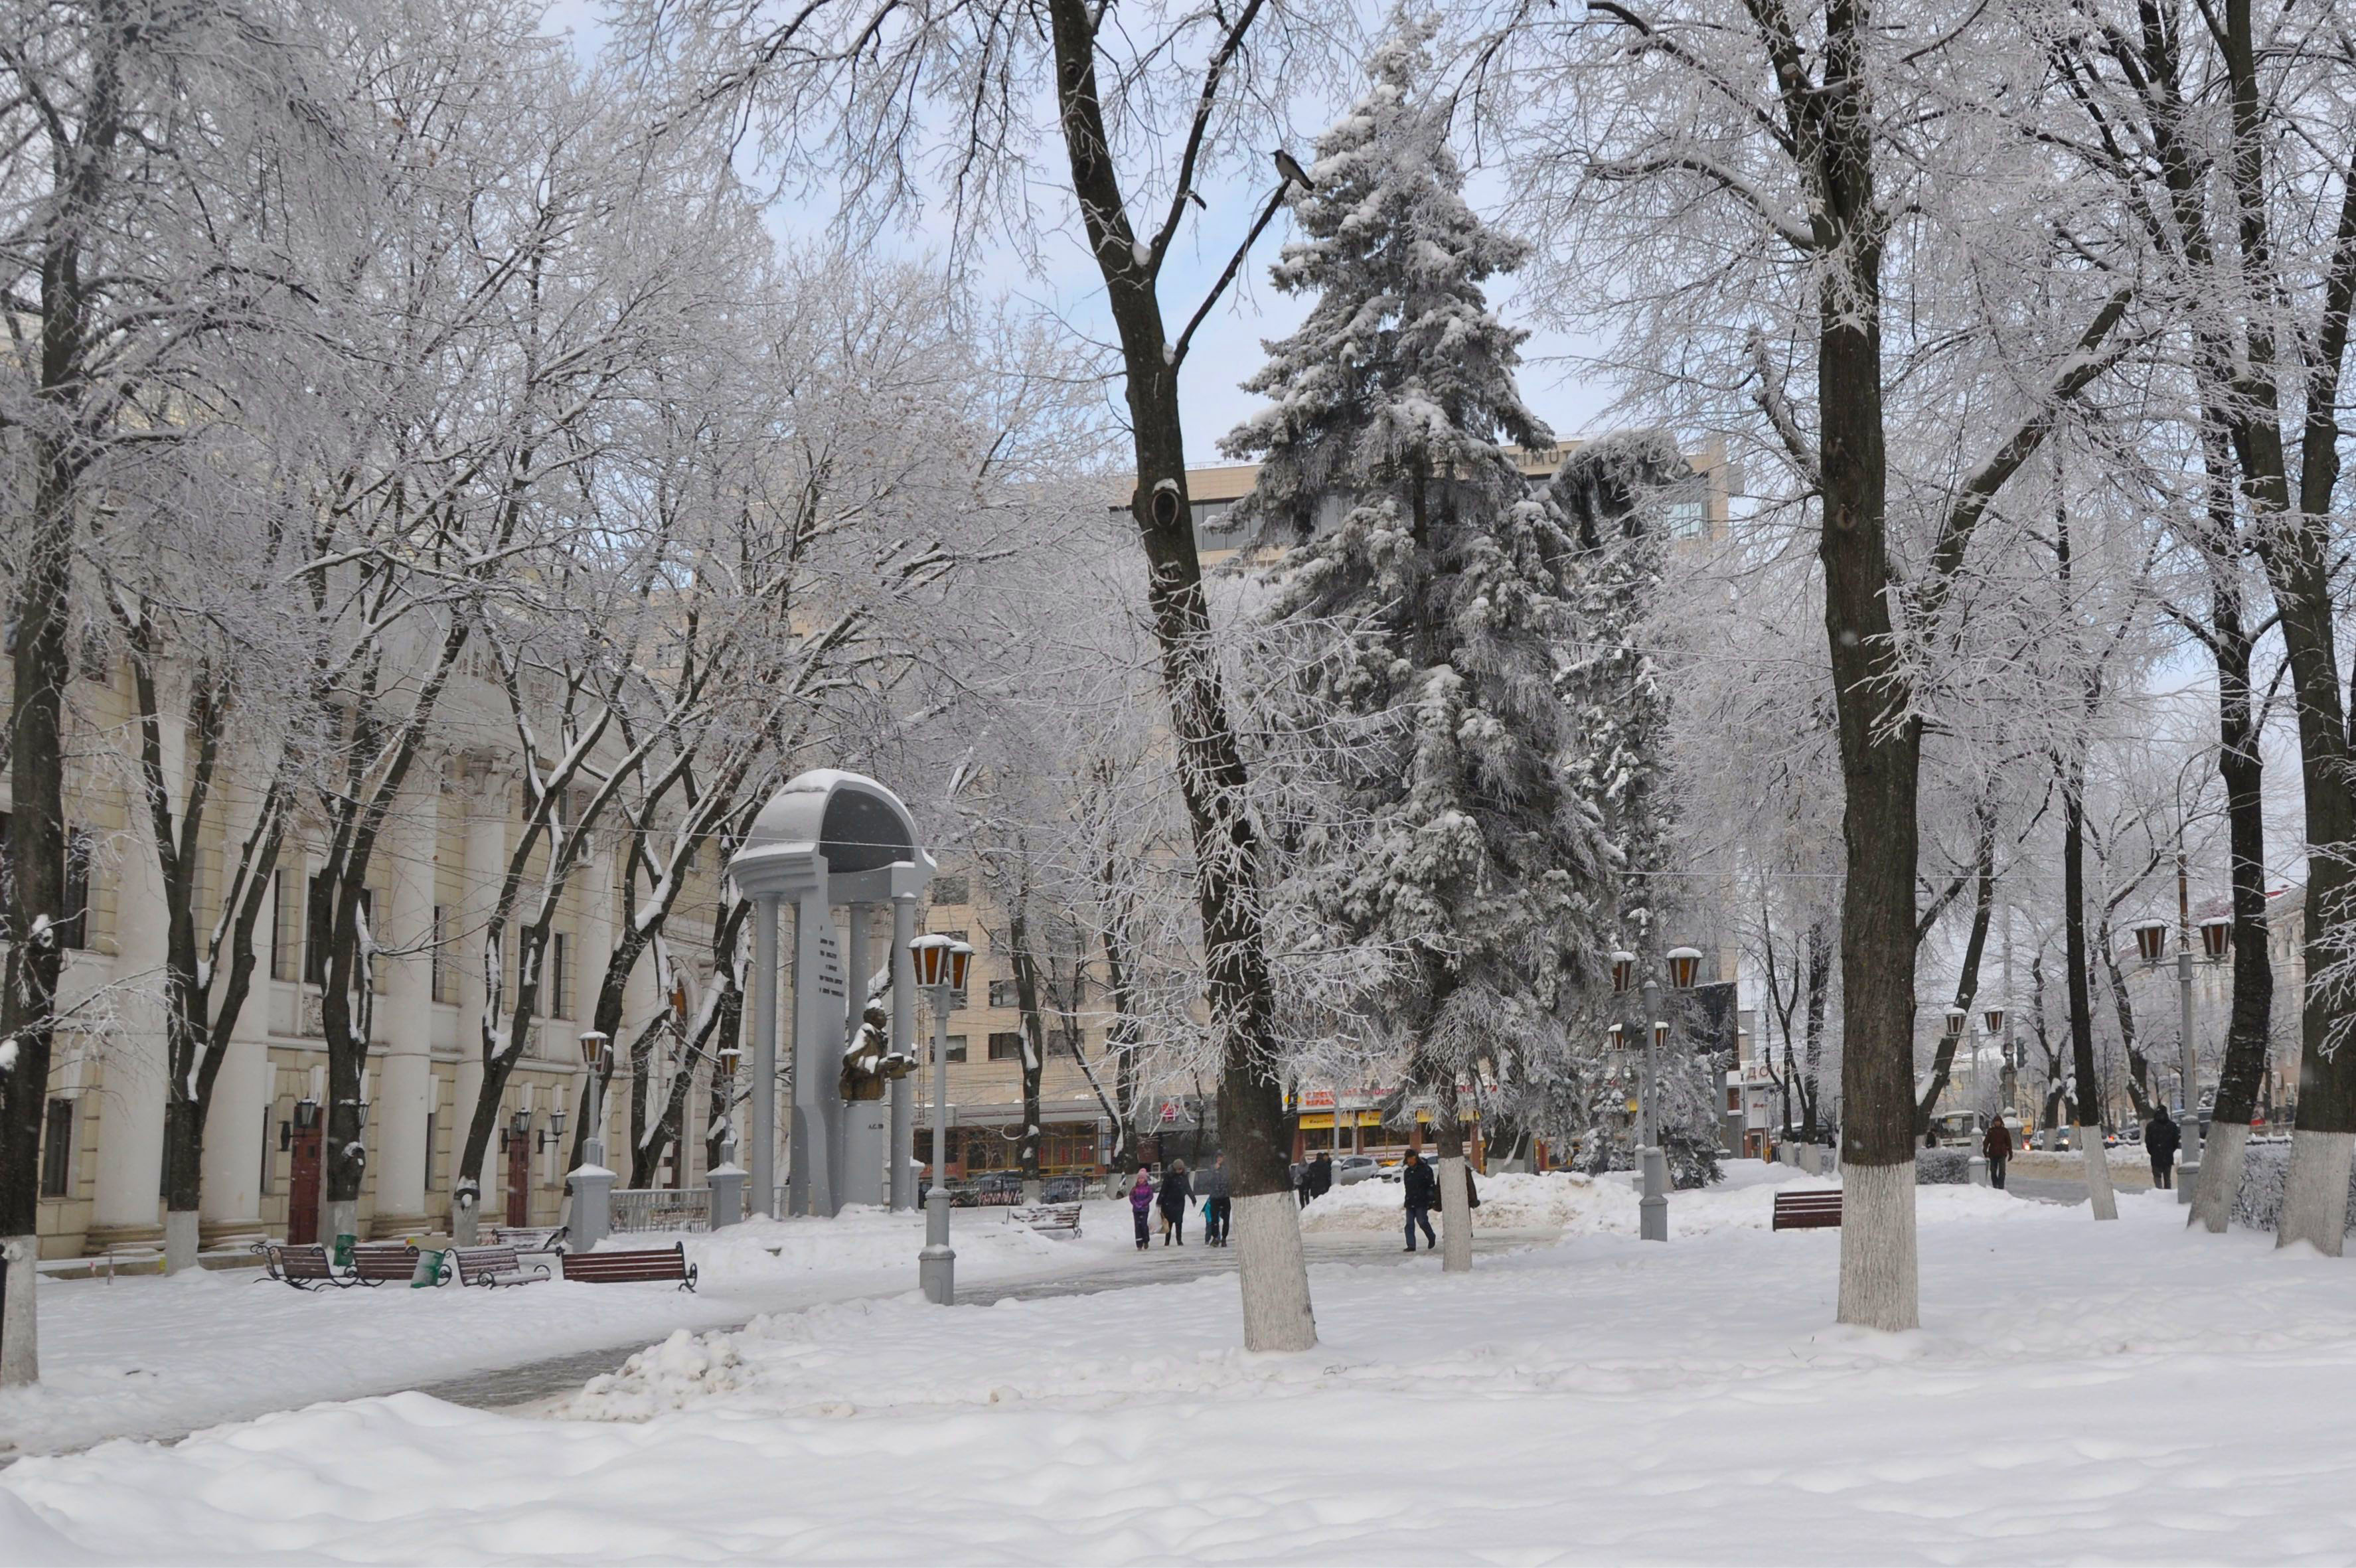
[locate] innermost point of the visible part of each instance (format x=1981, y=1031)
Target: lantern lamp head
x=1685, y=967
x=2216, y=937
x=306, y=1114
x=931, y=955
x=960, y=962
x=1994, y=1019
x=2151, y=940
x=1623, y=972
x=594, y=1044
x=1955, y=1020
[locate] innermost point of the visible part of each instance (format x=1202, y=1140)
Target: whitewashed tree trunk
x=2314, y=1193
x=1274, y=1273
x=1455, y=1217
x=2105, y=1201
x=20, y=1361
x=179, y=1239
x=2220, y=1178
x=1879, y=1262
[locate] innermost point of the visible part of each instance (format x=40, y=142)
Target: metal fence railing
x=662, y=1208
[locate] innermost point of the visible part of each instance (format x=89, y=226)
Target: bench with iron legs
x=1049, y=1218
x=374, y=1262
x=1807, y=1212
x=306, y=1267
x=644, y=1263
x=491, y=1266
x=531, y=1237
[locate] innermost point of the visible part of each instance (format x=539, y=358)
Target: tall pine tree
x=1453, y=864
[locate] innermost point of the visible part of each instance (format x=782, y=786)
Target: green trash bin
x=344, y=1244
x=428, y=1271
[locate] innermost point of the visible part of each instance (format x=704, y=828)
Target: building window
x=440, y=960
x=429, y=1146
x=283, y=915
x=1006, y=1047
x=951, y=890
x=1685, y=520
x=1004, y=994
x=955, y=1048
x=318, y=930
x=560, y=976
x=56, y=1150
x=265, y=1151
x=81, y=850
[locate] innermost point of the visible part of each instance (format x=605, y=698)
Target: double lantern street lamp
x=941, y=964
x=592, y=1183
x=1684, y=965
x=2151, y=946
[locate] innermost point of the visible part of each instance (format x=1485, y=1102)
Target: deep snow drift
x=2125, y=1392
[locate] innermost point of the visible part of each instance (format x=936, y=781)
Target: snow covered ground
x=2122, y=1393
x=150, y=1356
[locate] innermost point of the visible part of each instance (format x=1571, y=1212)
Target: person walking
x=2160, y=1141
x=1320, y=1176
x=1141, y=1204
x=1422, y=1192
x=1176, y=1193
x=1216, y=1206
x=1996, y=1147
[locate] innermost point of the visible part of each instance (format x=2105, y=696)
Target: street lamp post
x=941, y=963
x=1684, y=965
x=592, y=1183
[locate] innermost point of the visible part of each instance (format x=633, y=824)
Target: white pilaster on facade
x=238, y=1127
x=397, y=1125
x=137, y=1056
x=486, y=804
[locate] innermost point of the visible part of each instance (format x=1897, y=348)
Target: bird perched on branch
x=1290, y=171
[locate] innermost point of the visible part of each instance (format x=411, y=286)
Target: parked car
x=1349, y=1169
x=1063, y=1190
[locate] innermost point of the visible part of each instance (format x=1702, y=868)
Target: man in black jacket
x=1320, y=1176
x=2160, y=1141
x=1422, y=1192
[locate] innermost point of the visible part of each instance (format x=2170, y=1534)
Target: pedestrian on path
x=1176, y=1193
x=1141, y=1204
x=2160, y=1141
x=1998, y=1149
x=1217, y=1207
x=1319, y=1177
x=1422, y=1192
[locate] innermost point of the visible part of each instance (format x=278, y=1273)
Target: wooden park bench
x=374, y=1262
x=1807, y=1212
x=1047, y=1218
x=492, y=1266
x=304, y=1267
x=632, y=1267
x=531, y=1237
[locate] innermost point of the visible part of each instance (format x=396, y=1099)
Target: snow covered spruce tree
x=1613, y=495
x=1451, y=866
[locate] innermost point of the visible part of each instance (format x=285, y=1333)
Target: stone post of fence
x=728, y=1183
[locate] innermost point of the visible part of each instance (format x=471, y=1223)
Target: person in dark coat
x=2160, y=1141
x=1422, y=1192
x=1996, y=1147
x=1176, y=1193
x=1217, y=1207
x=1320, y=1176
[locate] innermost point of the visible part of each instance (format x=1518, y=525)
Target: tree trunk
x=1211, y=775
x=2139, y=1074
x=1967, y=985
x=2082, y=1005
x=2241, y=769
x=1034, y=1037
x=1820, y=964
x=1121, y=1040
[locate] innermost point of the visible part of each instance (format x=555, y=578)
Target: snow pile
x=1599, y=1399
x=1575, y=1204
